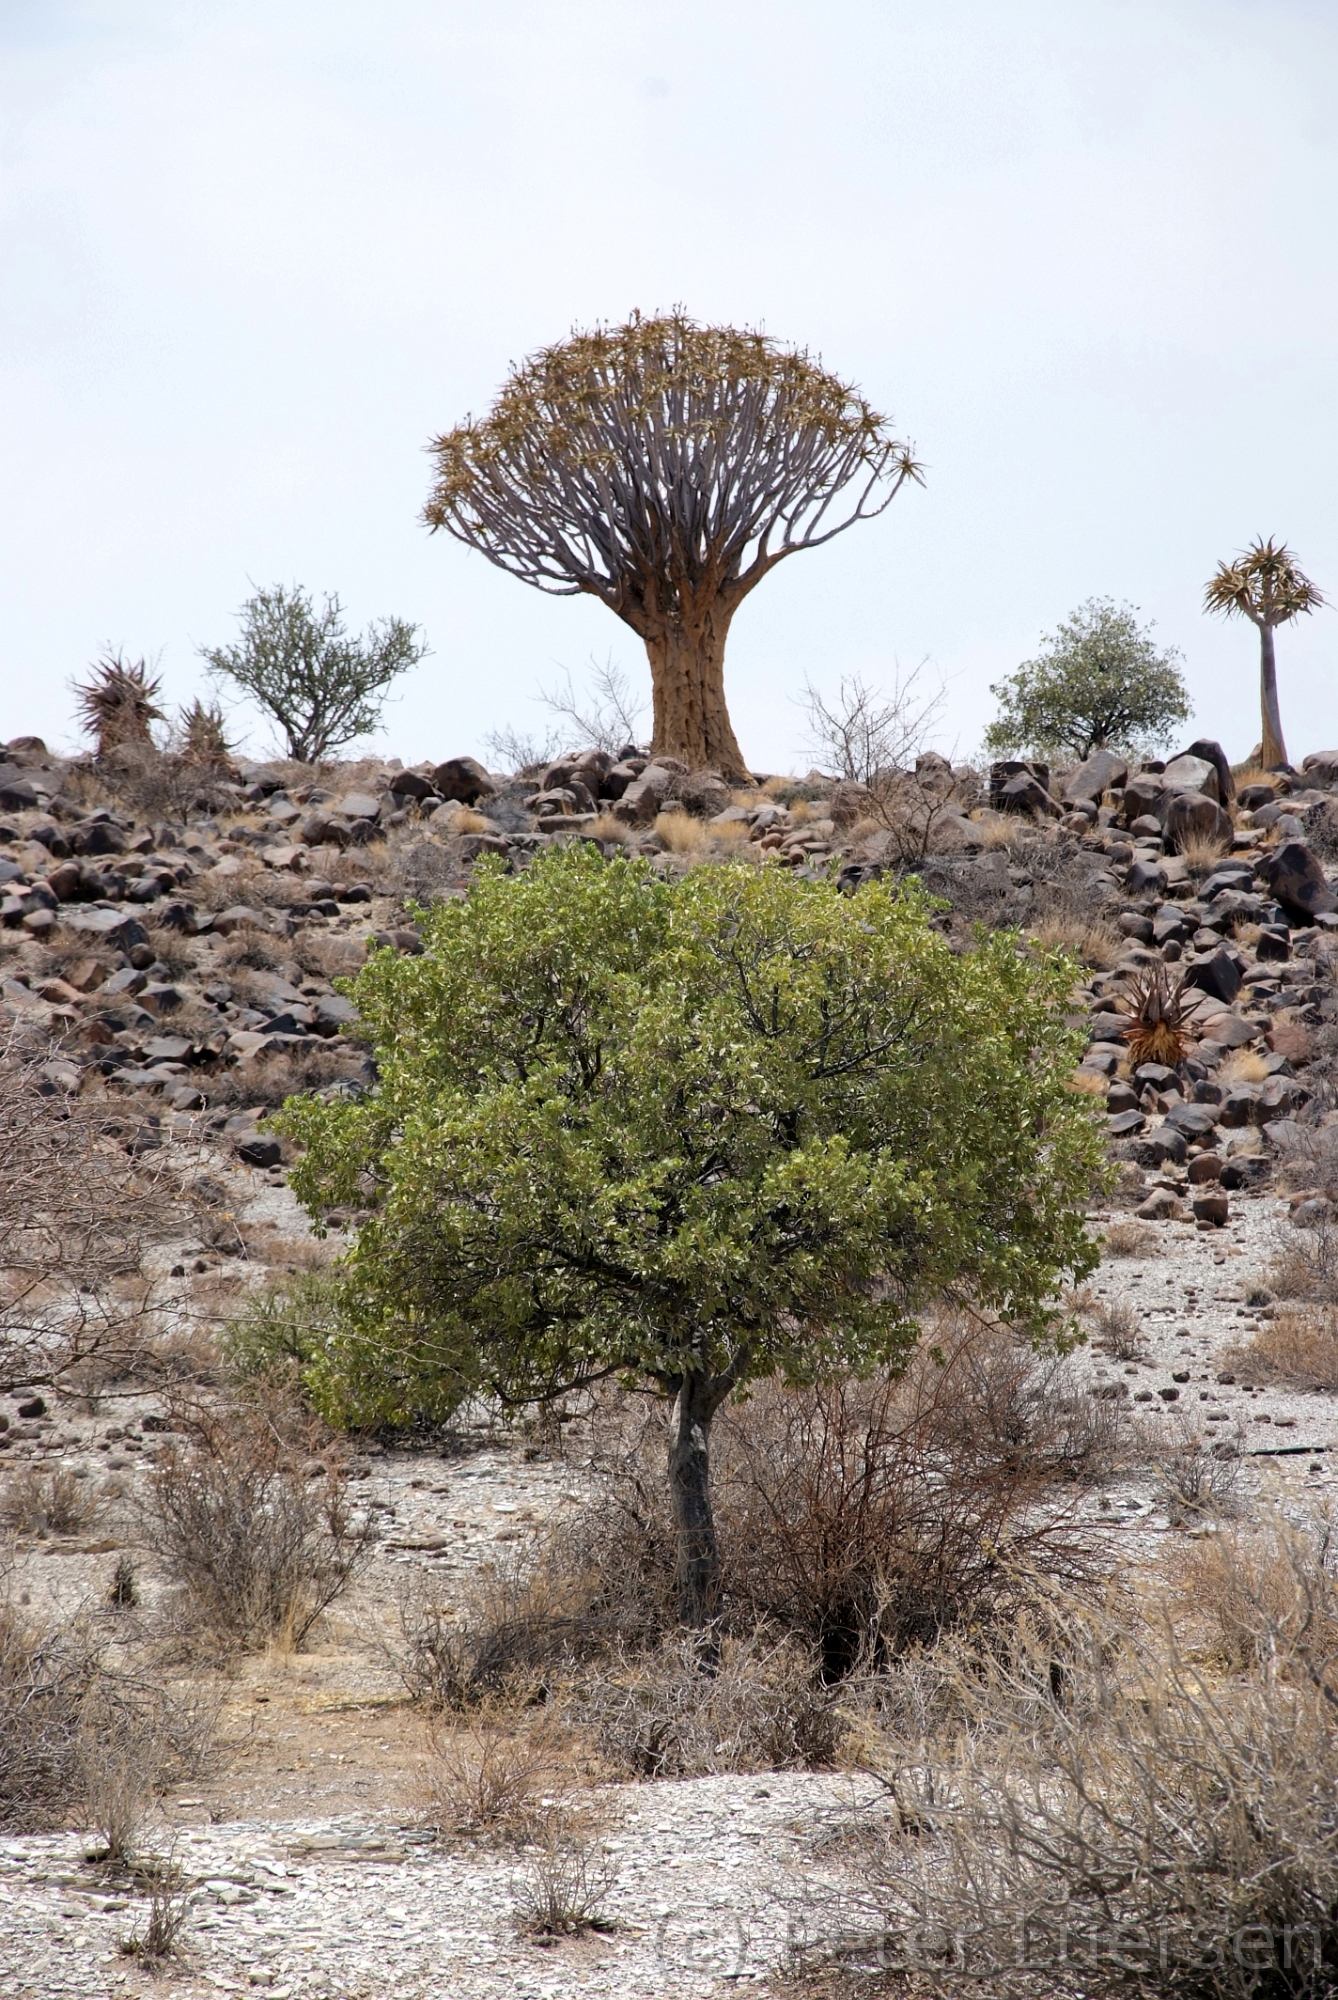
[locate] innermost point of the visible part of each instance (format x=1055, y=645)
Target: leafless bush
x=69, y=1725
x=77, y=1216
x=489, y=1777
x=606, y=715
x=1196, y=1484
x=1091, y=1813
x=763, y=1706
x=1299, y=1347
x=567, y=1882
x=168, y=1914
x=256, y=1547
x=47, y=1502
x=864, y=733
x=1266, y=1592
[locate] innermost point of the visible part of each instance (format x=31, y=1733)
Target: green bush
x=1099, y=683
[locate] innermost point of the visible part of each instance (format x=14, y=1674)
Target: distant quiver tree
x=665, y=467
x=1267, y=585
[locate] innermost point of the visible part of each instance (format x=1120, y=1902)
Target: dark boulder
x=462, y=778
x=1296, y=881
x=1219, y=976
x=1096, y=776
x=1213, y=753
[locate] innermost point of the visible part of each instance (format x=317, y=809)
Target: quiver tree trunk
x=1274, y=749
x=687, y=671
x=696, y=1554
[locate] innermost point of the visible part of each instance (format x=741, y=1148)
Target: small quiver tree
x=665, y=467
x=689, y=1135
x=1267, y=585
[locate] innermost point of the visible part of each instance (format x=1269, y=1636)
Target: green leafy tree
x=1098, y=683
x=301, y=667
x=689, y=1135
x=1267, y=585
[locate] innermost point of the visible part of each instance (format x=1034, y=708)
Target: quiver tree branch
x=665, y=467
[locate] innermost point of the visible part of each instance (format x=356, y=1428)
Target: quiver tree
x=1267, y=585
x=689, y=1135
x=117, y=704
x=664, y=467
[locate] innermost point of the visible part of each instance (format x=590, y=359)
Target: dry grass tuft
x=1119, y=1331
x=1088, y=1083
x=1242, y=1066
x=567, y=1881
x=50, y=1502
x=682, y=833
x=1095, y=944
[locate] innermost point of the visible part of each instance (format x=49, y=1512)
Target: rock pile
x=186, y=962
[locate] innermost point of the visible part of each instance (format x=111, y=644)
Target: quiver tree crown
x=664, y=467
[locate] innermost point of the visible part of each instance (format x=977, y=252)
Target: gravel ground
x=704, y=1876
x=338, y=1911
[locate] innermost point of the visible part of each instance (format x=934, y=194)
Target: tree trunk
x=1274, y=749
x=697, y=1558
x=687, y=671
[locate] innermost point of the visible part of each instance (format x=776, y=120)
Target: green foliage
x=303, y=670
x=283, y=1331
x=1099, y=683
x=738, y=1124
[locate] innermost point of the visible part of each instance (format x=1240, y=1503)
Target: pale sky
x=254, y=253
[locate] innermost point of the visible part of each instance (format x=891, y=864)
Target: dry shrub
x=864, y=1517
x=1299, y=1348
x=51, y=1502
x=566, y=1883
x=1119, y=1330
x=1088, y=1812
x=82, y=1742
x=494, y=1777
x=78, y=1216
x=252, y=1522
x=169, y=1910
x=509, y=1635
x=1309, y=1159
x=763, y=1706
x=1266, y=1591
x=1305, y=1265
x=1129, y=1239
x=1196, y=1484
x=325, y=956
x=1089, y=1083
x=172, y=950
x=268, y=1079
x=854, y=1519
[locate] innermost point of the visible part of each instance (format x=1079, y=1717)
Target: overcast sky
x=254, y=253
